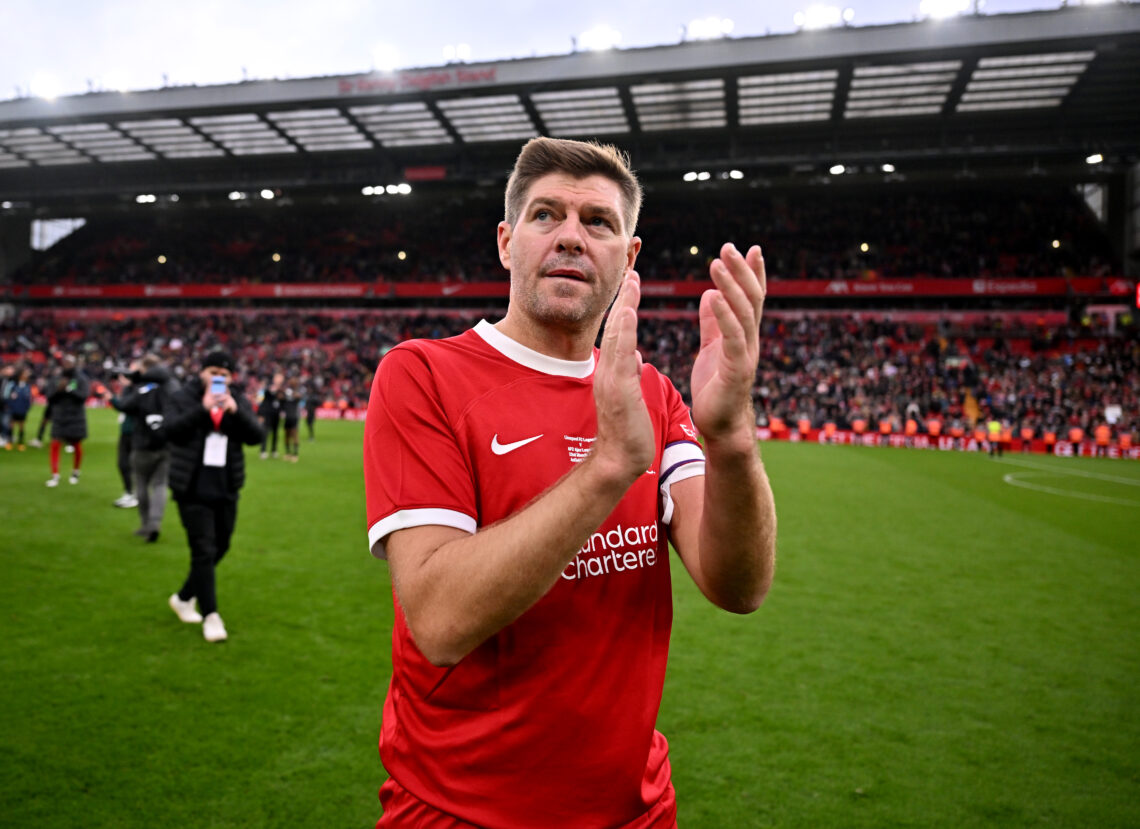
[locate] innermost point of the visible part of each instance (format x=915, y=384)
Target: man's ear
x=504, y=239
x=632, y=251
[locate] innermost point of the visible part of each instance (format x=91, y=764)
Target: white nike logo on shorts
x=504, y=448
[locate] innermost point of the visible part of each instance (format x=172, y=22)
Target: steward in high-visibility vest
x=1103, y=434
x=993, y=430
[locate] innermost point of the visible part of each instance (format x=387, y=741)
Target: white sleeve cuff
x=405, y=518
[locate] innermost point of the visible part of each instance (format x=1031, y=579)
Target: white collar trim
x=530, y=358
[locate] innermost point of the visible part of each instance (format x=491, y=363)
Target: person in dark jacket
x=291, y=413
x=125, y=447
x=67, y=397
x=7, y=383
x=19, y=402
x=207, y=422
x=145, y=401
x=270, y=413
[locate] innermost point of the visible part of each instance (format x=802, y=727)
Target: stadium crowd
x=908, y=233
x=871, y=374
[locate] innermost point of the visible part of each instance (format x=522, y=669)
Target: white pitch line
x=1066, y=493
x=1060, y=470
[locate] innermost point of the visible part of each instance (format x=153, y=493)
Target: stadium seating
x=908, y=233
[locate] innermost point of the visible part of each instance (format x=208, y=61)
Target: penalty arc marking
x=1017, y=480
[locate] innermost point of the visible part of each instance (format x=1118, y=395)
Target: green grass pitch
x=940, y=648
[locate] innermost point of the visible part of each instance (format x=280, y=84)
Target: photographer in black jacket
x=206, y=424
x=145, y=401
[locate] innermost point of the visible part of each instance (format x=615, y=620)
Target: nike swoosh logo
x=504, y=448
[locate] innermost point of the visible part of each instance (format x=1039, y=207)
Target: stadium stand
x=967, y=261
x=941, y=234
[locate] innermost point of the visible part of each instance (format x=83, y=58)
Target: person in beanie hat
x=207, y=422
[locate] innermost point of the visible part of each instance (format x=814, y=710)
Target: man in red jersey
x=524, y=488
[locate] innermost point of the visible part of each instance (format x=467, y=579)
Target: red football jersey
x=550, y=722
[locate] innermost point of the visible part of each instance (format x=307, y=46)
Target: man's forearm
x=469, y=588
x=737, y=541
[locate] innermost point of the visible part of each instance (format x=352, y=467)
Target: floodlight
x=392, y=189
x=599, y=38
x=888, y=168
x=146, y=198
x=1095, y=158
x=735, y=174
x=690, y=176
x=864, y=247
x=404, y=189
x=366, y=191
x=44, y=86
x=5, y=205
x=385, y=57
x=276, y=257
x=236, y=195
x=820, y=16
x=161, y=259
x=694, y=250
x=402, y=255
x=837, y=170
x=703, y=176
x=115, y=82
x=942, y=9
x=708, y=28
x=267, y=194
x=457, y=51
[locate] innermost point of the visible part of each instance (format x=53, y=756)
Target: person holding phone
x=208, y=421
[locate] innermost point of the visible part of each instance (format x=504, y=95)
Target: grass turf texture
x=939, y=649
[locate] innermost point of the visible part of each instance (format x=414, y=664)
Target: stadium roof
x=1034, y=92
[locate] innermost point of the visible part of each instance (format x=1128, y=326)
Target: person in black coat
x=206, y=423
x=270, y=413
x=291, y=413
x=145, y=401
x=67, y=398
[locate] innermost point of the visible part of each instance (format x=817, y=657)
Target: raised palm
x=725, y=367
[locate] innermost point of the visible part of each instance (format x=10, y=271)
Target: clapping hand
x=725, y=368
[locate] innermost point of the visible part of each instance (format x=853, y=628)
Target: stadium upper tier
x=1044, y=230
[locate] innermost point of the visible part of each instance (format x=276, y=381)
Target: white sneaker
x=74, y=479
x=69, y=449
x=126, y=501
x=52, y=481
x=36, y=444
x=185, y=610
x=213, y=629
